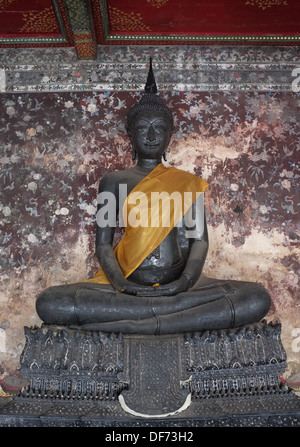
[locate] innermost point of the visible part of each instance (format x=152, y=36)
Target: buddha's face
x=150, y=134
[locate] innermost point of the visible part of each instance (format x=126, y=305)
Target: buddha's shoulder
x=111, y=180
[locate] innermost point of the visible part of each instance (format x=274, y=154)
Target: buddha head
x=150, y=122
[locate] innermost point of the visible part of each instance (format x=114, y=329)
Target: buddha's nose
x=151, y=134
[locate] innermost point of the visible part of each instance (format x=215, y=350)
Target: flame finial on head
x=151, y=86
x=149, y=101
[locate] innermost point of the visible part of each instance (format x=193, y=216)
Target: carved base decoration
x=212, y=378
x=68, y=364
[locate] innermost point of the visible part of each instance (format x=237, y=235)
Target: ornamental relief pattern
x=40, y=21
x=264, y=4
x=157, y=3
x=122, y=21
x=5, y=3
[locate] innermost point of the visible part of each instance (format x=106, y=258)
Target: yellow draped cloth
x=151, y=210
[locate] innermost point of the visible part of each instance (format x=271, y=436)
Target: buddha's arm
x=104, y=238
x=199, y=237
x=111, y=268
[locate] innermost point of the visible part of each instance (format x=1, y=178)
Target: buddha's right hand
x=129, y=287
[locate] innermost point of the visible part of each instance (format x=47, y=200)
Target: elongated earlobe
x=133, y=155
x=127, y=128
x=165, y=156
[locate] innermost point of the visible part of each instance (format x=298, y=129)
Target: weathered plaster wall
x=55, y=147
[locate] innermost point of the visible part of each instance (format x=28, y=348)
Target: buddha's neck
x=148, y=164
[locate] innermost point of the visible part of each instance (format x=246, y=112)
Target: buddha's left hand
x=173, y=288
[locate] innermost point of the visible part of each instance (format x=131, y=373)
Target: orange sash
x=151, y=210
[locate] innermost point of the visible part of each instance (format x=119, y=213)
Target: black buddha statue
x=152, y=282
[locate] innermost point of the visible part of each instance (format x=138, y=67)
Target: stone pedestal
x=228, y=377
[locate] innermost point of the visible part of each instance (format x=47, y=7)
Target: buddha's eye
x=160, y=128
x=141, y=129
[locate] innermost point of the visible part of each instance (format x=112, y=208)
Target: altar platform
x=227, y=378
